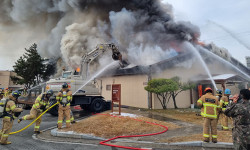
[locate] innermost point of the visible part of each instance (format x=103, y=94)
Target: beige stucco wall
x=4, y=79
x=182, y=101
x=186, y=71
x=132, y=89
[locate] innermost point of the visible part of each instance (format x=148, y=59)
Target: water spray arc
x=96, y=75
x=231, y=34
x=224, y=61
x=198, y=55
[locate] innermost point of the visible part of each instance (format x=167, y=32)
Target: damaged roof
x=222, y=78
x=169, y=63
x=137, y=70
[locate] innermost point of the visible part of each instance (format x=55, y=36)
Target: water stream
x=97, y=74
x=225, y=61
x=198, y=55
x=42, y=84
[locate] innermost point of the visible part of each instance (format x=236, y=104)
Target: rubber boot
x=37, y=132
x=206, y=140
x=214, y=140
x=6, y=143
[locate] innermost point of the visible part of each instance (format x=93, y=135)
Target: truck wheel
x=97, y=105
x=53, y=111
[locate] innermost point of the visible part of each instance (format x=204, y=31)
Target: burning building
x=145, y=32
x=187, y=67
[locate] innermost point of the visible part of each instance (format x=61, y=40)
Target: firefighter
x=40, y=105
x=6, y=92
x=223, y=104
x=209, y=107
x=72, y=119
x=218, y=96
x=1, y=93
x=11, y=113
x=64, y=96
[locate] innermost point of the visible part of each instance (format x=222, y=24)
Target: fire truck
x=87, y=96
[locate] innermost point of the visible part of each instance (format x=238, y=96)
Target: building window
x=108, y=87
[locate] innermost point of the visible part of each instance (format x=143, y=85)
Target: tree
x=30, y=69
x=181, y=87
x=162, y=88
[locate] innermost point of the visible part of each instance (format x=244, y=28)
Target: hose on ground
x=35, y=119
x=112, y=145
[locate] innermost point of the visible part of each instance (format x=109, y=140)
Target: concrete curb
x=203, y=144
x=71, y=134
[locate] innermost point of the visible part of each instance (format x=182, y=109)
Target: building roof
x=138, y=70
x=222, y=78
x=168, y=63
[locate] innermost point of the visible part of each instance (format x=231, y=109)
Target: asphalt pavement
x=24, y=140
x=27, y=140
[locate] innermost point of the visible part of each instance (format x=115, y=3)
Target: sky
x=223, y=22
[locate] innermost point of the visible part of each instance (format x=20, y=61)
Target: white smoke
x=68, y=29
x=78, y=40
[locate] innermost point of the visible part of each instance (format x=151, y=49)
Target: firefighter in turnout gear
x=10, y=113
x=1, y=93
x=219, y=96
x=209, y=107
x=64, y=96
x=41, y=104
x=6, y=92
x=224, y=101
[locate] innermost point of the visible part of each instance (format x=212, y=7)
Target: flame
x=78, y=69
x=200, y=43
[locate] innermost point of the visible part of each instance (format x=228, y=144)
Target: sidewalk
x=154, y=142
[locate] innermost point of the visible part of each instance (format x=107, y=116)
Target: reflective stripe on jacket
x=224, y=102
x=209, y=106
x=11, y=108
x=68, y=95
x=40, y=101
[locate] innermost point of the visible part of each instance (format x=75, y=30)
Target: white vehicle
x=89, y=96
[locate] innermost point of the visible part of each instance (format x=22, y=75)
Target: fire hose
x=35, y=119
x=118, y=146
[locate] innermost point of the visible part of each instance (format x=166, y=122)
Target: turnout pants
x=63, y=112
x=71, y=117
x=34, y=113
x=210, y=124
x=7, y=124
x=224, y=122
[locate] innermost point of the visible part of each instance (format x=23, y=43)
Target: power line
x=246, y=33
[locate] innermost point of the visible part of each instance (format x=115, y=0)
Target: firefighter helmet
x=65, y=85
x=50, y=92
x=2, y=92
x=219, y=92
x=16, y=94
x=208, y=89
x=227, y=91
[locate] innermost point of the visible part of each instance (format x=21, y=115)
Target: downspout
x=191, y=99
x=149, y=93
x=101, y=86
